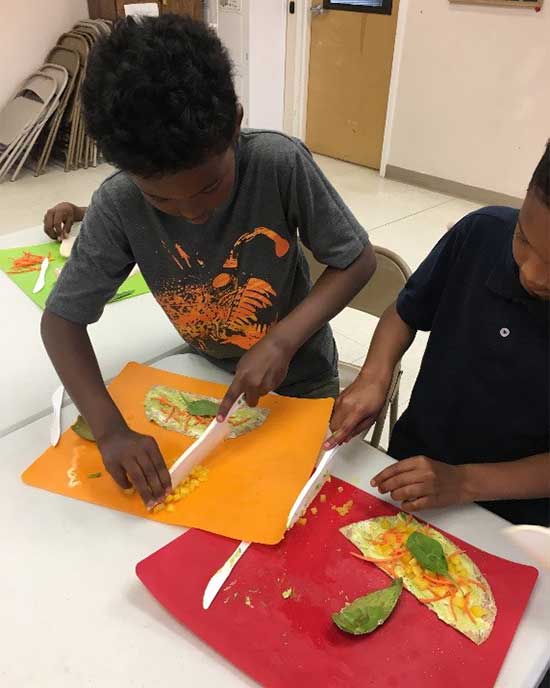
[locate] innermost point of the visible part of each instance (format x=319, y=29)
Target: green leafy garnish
x=428, y=553
x=94, y=475
x=202, y=407
x=365, y=614
x=82, y=429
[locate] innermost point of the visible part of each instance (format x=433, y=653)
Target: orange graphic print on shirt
x=228, y=309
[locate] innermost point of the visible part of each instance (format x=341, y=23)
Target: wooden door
x=349, y=78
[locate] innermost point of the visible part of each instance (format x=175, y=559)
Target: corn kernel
x=314, y=510
x=168, y=498
x=302, y=521
x=478, y=611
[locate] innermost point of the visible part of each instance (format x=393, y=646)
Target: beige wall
x=472, y=101
x=28, y=29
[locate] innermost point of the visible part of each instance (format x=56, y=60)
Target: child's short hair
x=158, y=96
x=540, y=181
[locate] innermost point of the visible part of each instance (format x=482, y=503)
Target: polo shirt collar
x=504, y=277
x=504, y=281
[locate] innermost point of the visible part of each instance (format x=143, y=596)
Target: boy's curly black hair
x=540, y=181
x=158, y=96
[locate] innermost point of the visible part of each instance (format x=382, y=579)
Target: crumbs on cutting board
x=344, y=509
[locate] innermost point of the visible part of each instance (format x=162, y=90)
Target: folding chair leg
x=394, y=407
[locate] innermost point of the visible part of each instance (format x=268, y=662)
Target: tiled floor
x=404, y=218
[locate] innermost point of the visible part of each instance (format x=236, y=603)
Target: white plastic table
x=131, y=330
x=74, y=614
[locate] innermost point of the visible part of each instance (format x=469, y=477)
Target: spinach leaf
x=82, y=429
x=202, y=407
x=365, y=614
x=428, y=553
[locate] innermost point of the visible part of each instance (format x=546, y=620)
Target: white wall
x=472, y=101
x=267, y=45
x=28, y=29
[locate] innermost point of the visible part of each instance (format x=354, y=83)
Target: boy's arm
x=359, y=405
x=264, y=367
x=126, y=454
x=422, y=483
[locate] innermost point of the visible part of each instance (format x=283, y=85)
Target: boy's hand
x=59, y=220
x=135, y=459
x=356, y=409
x=260, y=371
x=422, y=483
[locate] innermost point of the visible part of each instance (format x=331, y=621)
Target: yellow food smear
x=314, y=510
x=302, y=521
x=344, y=509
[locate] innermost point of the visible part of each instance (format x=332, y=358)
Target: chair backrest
x=75, y=42
x=57, y=72
x=390, y=276
x=25, y=108
x=66, y=57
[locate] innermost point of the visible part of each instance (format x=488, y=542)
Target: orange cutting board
x=252, y=482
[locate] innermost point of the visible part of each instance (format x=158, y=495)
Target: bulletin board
x=522, y=4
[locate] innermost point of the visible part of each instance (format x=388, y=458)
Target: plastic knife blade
x=41, y=281
x=57, y=403
x=312, y=487
x=211, y=438
x=222, y=574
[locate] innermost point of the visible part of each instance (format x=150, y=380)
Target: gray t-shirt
x=222, y=284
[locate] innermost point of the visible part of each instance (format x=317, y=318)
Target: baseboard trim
x=446, y=186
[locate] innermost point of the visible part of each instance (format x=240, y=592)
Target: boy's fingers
x=398, y=481
x=231, y=396
x=118, y=474
x=151, y=476
x=67, y=226
x=410, y=492
x=48, y=224
x=416, y=504
x=350, y=428
x=396, y=468
x=252, y=398
x=133, y=469
x=160, y=466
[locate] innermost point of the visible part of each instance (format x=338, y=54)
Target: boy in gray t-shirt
x=211, y=216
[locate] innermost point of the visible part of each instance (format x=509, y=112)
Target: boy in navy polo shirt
x=477, y=426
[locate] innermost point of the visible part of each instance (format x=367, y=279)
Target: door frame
x=297, y=73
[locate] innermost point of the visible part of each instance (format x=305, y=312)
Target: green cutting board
x=133, y=286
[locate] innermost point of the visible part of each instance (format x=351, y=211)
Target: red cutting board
x=287, y=643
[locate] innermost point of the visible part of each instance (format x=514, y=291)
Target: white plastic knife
x=222, y=574
x=41, y=281
x=211, y=438
x=312, y=487
x=57, y=403
x=304, y=499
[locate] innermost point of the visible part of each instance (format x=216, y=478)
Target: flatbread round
x=464, y=600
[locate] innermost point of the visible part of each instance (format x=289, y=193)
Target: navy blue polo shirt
x=482, y=393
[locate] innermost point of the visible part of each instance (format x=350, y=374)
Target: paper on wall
x=142, y=9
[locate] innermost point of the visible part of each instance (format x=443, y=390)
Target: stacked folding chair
x=44, y=117
x=24, y=112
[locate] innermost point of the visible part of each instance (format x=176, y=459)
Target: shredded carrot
x=28, y=262
x=376, y=560
x=471, y=581
x=169, y=416
x=164, y=400
x=439, y=581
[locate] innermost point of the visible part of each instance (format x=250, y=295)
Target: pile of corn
x=197, y=476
